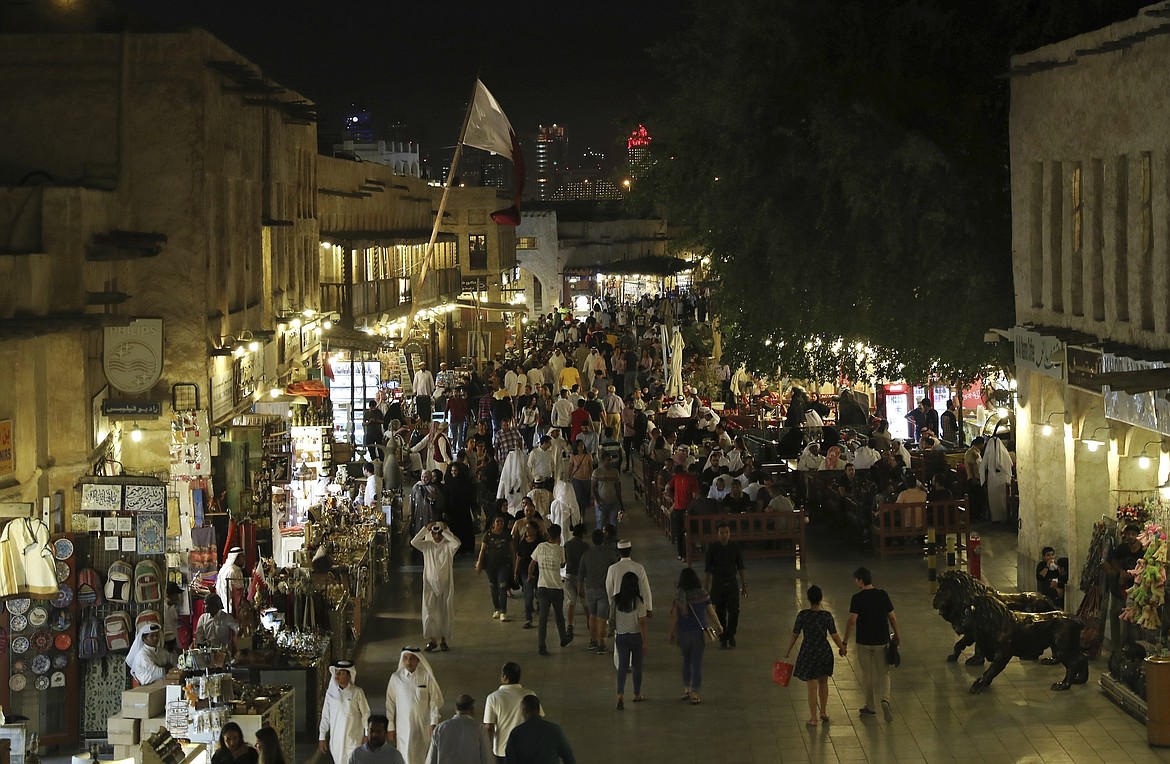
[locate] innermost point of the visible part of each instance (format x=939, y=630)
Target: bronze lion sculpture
x=957, y=589
x=1002, y=634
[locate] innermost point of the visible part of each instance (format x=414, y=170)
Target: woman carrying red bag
x=814, y=662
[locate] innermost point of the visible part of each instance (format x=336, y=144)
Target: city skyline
x=587, y=67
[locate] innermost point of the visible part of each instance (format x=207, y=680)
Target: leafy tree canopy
x=846, y=165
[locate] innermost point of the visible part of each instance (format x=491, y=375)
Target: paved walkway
x=744, y=717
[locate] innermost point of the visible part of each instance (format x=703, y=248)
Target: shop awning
x=650, y=266
x=385, y=238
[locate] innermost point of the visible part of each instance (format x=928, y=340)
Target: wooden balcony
x=371, y=298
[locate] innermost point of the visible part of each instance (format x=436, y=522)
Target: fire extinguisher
x=975, y=555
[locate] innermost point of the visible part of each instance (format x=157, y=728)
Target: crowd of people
x=520, y=468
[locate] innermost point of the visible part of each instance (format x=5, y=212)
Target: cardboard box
x=121, y=730
x=146, y=701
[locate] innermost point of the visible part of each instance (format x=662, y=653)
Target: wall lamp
x=223, y=346
x=1144, y=458
x=1046, y=429
x=1092, y=442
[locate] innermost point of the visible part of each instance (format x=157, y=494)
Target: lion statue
x=956, y=590
x=1002, y=634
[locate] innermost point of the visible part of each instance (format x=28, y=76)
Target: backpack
x=148, y=585
x=89, y=587
x=91, y=638
x=145, y=617
x=118, y=631
x=118, y=582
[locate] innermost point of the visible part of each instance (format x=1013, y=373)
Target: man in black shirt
x=723, y=563
x=737, y=501
x=872, y=614
x=1118, y=580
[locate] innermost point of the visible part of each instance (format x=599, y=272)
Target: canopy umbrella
x=674, y=385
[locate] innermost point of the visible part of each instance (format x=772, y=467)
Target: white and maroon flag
x=488, y=128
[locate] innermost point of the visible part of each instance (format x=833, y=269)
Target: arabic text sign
x=1039, y=353
x=132, y=408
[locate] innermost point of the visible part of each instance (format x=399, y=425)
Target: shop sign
x=1149, y=410
x=132, y=355
x=1084, y=365
x=7, y=451
x=292, y=345
x=223, y=387
x=1038, y=353
x=132, y=408
x=245, y=368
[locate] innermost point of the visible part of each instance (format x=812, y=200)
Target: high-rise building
x=359, y=127
x=637, y=146
x=552, y=152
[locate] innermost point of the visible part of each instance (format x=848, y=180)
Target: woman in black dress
x=462, y=506
x=814, y=662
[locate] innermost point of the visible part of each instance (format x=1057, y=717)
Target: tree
x=847, y=165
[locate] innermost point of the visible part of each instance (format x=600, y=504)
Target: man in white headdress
x=147, y=659
x=344, y=714
x=438, y=546
x=414, y=705
x=997, y=475
x=564, y=510
x=230, y=579
x=513, y=484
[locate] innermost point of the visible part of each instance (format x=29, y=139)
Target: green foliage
x=847, y=164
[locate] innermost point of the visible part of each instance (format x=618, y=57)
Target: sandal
x=639, y=698
x=696, y=700
x=824, y=719
x=686, y=695
x=811, y=723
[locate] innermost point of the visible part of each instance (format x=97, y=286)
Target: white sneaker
x=504, y=617
x=496, y=614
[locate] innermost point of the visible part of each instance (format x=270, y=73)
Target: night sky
x=582, y=65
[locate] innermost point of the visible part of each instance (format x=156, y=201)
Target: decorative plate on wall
x=62, y=549
x=64, y=597
x=18, y=623
x=17, y=682
x=20, y=645
x=62, y=569
x=38, y=616
x=18, y=606
x=41, y=683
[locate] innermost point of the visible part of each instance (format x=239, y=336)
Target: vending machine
x=898, y=400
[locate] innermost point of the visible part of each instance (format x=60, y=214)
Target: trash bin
x=1158, y=700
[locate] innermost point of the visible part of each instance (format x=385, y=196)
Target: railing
x=371, y=298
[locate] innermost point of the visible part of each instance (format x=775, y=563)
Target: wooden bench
x=901, y=528
x=759, y=534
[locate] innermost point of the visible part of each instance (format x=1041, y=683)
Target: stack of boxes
x=141, y=716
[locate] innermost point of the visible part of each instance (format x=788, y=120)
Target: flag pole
x=430, y=250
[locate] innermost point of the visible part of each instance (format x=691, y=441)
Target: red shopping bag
x=781, y=673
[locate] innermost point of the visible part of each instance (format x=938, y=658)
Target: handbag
x=893, y=658
x=709, y=633
x=781, y=673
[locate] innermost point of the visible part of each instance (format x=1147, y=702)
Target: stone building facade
x=1090, y=157
x=141, y=175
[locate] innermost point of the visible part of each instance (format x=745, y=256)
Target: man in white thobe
x=414, y=705
x=343, y=714
x=438, y=546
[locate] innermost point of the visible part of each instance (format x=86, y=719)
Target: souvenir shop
x=1143, y=655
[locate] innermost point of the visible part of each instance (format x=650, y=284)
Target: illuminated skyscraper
x=637, y=147
x=552, y=152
